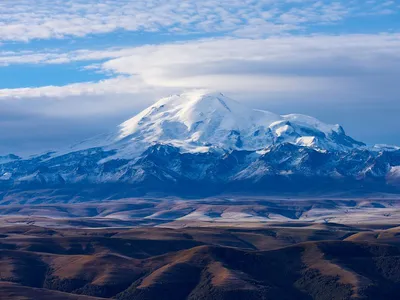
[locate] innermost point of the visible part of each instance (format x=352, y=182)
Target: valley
x=173, y=212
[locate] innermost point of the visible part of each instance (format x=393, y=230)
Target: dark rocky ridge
x=284, y=168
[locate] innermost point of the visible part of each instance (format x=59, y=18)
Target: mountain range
x=198, y=144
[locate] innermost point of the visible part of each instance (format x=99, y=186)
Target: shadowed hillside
x=279, y=262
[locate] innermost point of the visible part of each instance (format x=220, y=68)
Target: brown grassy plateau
x=278, y=261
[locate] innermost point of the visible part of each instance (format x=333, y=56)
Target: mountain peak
x=198, y=120
x=200, y=101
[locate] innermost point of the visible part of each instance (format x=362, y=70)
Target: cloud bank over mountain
x=75, y=62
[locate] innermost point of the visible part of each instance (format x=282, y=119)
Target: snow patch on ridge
x=394, y=172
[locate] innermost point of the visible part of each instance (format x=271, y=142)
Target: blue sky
x=72, y=68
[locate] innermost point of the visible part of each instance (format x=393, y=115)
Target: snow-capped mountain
x=198, y=122
x=208, y=143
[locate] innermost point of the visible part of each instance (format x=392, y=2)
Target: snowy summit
x=198, y=121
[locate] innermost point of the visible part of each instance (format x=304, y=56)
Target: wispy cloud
x=279, y=64
x=24, y=20
x=114, y=86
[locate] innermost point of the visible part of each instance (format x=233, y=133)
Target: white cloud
x=24, y=20
x=118, y=85
x=307, y=64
